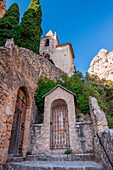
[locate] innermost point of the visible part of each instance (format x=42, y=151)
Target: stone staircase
x=55, y=162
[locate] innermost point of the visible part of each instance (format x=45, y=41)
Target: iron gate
x=59, y=128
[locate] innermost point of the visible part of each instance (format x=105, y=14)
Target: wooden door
x=17, y=133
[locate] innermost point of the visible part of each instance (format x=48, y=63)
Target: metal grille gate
x=59, y=128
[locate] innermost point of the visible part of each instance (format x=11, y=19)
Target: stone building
x=61, y=129
x=2, y=8
x=62, y=55
x=20, y=70
x=64, y=126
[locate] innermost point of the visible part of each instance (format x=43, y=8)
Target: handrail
x=105, y=151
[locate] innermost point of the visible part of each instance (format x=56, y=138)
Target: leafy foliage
x=75, y=84
x=110, y=121
x=83, y=87
x=68, y=151
x=29, y=153
x=44, y=86
x=9, y=24
x=29, y=31
x=105, y=89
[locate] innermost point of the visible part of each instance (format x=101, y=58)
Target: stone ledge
x=37, y=125
x=80, y=123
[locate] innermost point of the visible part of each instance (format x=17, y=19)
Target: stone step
x=54, y=165
x=61, y=157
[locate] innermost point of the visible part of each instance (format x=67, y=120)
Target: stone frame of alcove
x=59, y=92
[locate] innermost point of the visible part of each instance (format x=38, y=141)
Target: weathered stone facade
x=19, y=68
x=83, y=138
x=56, y=94
x=80, y=132
x=61, y=54
x=2, y=8
x=102, y=65
x=103, y=136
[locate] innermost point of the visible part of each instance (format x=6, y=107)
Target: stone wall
x=56, y=94
x=19, y=67
x=37, y=142
x=106, y=138
x=61, y=54
x=63, y=59
x=83, y=138
x=103, y=136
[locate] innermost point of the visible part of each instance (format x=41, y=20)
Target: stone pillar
x=98, y=116
x=103, y=137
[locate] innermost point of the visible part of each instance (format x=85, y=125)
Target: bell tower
x=48, y=43
x=2, y=8
x=62, y=55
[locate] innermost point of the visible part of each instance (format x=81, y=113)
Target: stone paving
x=60, y=157
x=55, y=165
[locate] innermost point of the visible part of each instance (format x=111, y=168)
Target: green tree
x=101, y=89
x=105, y=96
x=74, y=84
x=29, y=32
x=44, y=86
x=9, y=24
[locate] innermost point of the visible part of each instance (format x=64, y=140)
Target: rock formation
x=102, y=65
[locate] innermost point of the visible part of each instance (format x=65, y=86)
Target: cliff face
x=2, y=8
x=102, y=65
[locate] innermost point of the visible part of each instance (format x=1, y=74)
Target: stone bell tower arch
x=2, y=8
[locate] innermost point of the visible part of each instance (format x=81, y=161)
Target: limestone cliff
x=102, y=65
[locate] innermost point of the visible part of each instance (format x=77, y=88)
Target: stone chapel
x=62, y=55
x=64, y=127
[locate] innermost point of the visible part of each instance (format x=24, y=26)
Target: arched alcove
x=59, y=129
x=46, y=42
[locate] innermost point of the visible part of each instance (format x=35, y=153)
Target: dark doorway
x=17, y=133
x=46, y=42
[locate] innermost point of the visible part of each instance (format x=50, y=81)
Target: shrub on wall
x=76, y=84
x=44, y=86
x=105, y=89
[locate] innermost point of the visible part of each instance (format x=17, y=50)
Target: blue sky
x=86, y=24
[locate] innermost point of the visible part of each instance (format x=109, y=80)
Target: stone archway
x=59, y=128
x=18, y=126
